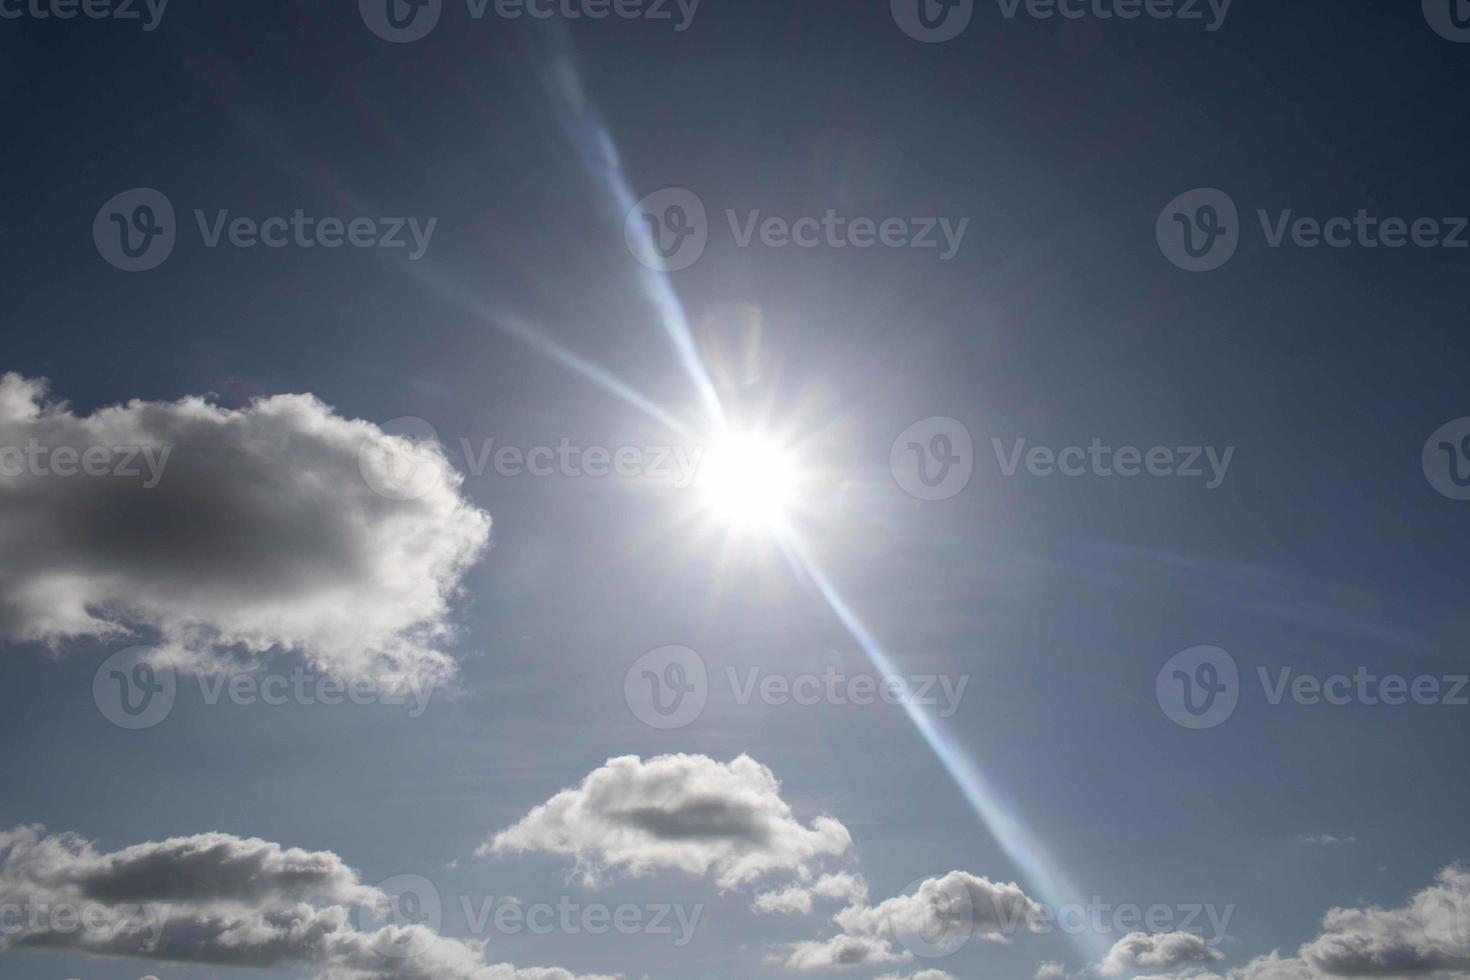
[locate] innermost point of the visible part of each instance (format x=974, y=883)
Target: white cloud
x=1051, y=971
x=841, y=952
x=1274, y=967
x=686, y=813
x=798, y=899
x=1428, y=937
x=921, y=975
x=1156, y=951
x=941, y=915
x=262, y=532
x=957, y=906
x=1325, y=840
x=219, y=899
x=1431, y=933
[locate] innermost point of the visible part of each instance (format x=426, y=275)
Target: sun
x=749, y=481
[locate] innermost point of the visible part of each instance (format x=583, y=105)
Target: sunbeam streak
x=1009, y=831
x=599, y=156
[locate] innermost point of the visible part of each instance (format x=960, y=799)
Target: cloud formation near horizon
x=941, y=915
x=223, y=900
x=245, y=531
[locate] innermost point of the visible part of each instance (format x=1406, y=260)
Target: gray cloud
x=222, y=900
x=262, y=532
x=686, y=813
x=1157, y=951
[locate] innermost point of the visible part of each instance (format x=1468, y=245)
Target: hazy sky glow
x=906, y=491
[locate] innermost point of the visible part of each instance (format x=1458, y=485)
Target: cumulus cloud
x=685, y=813
x=957, y=906
x=1427, y=937
x=941, y=915
x=239, y=531
x=223, y=900
x=1274, y=967
x=921, y=975
x=1156, y=951
x=1431, y=933
x=841, y=952
x=1051, y=971
x=798, y=899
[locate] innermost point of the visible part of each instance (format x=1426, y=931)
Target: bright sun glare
x=749, y=481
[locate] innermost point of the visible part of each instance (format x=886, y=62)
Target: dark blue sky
x=1058, y=321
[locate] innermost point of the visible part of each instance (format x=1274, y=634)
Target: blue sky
x=1327, y=545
